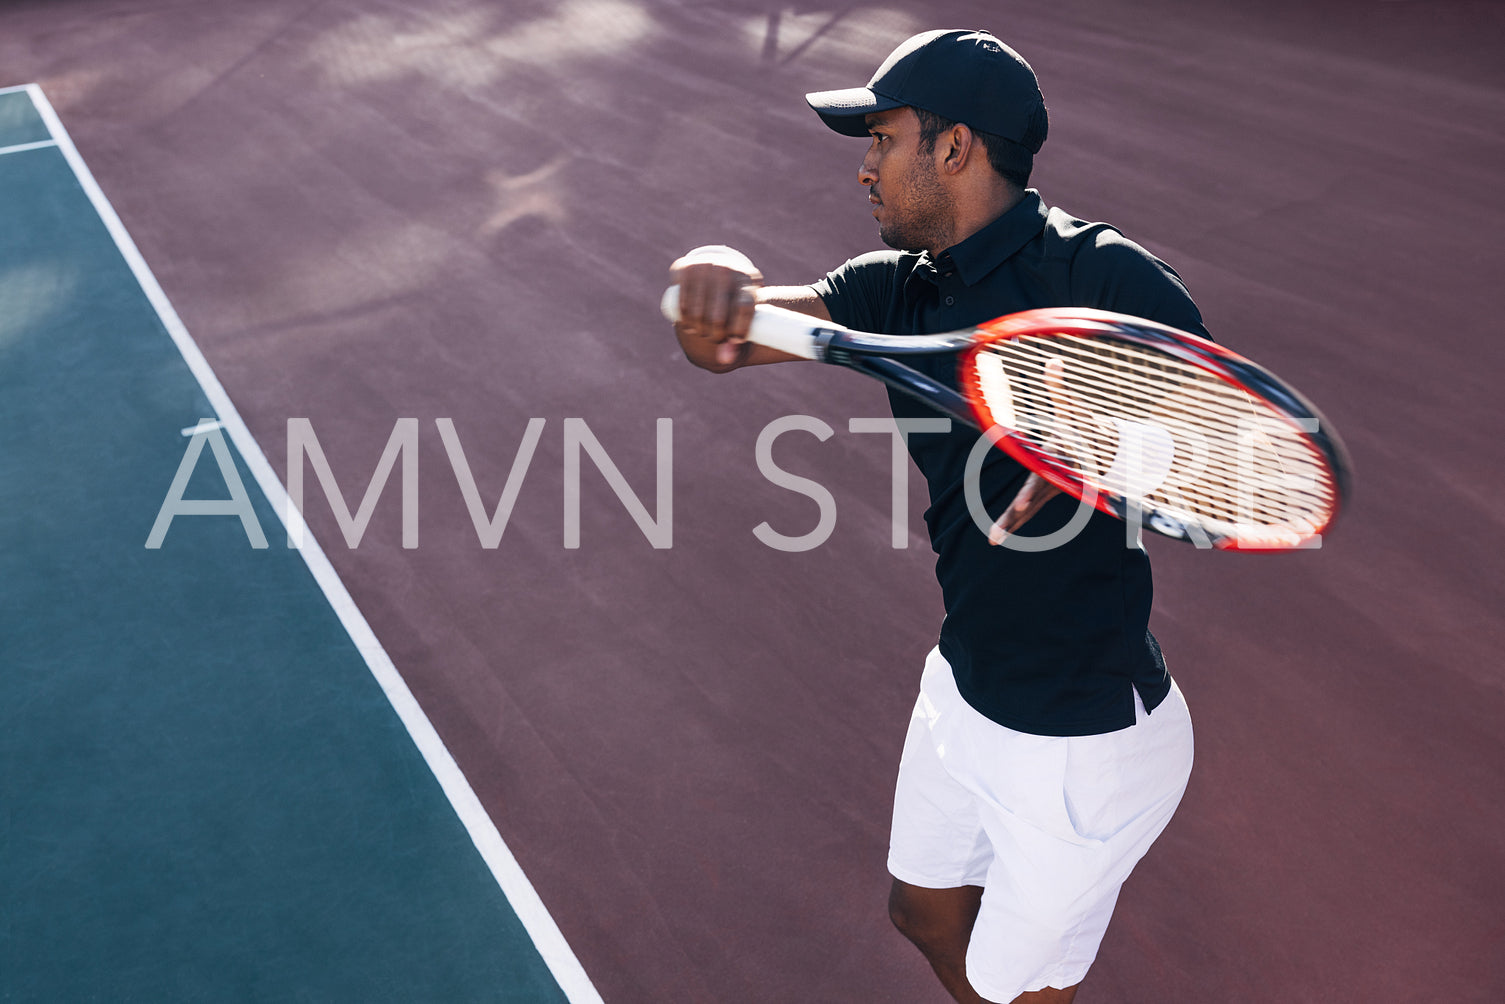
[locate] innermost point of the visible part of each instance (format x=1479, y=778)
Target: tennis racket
x=1137, y=418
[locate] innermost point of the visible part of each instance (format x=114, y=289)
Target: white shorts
x=1049, y=827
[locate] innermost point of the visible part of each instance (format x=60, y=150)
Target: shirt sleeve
x=1114, y=273
x=856, y=293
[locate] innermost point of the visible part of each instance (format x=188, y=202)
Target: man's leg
x=939, y=922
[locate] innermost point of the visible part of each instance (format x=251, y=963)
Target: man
x=1049, y=746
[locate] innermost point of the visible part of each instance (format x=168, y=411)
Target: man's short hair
x=1008, y=158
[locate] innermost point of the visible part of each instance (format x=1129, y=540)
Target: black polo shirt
x=1048, y=642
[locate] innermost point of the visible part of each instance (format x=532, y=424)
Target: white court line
x=16, y=87
x=556, y=952
x=21, y=147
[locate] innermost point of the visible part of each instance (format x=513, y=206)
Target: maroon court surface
x=366, y=211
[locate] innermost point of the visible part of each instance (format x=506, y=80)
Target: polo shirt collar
x=994, y=244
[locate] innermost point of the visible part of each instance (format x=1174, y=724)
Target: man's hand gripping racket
x=1120, y=412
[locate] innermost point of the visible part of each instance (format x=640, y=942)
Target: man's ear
x=957, y=145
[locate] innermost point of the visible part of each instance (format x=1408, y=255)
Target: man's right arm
x=718, y=287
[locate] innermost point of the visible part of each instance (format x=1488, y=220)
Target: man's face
x=913, y=209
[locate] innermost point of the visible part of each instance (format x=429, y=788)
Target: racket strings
x=1234, y=461
x=1222, y=475
x=1108, y=399
x=1274, y=460
x=1155, y=376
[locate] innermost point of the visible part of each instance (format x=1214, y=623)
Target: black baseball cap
x=966, y=76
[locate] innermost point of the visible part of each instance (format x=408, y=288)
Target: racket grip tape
x=785, y=330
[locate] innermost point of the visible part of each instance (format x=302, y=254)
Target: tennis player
x=1048, y=746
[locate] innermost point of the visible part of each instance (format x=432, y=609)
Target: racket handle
x=785, y=330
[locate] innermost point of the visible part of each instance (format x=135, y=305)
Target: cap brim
x=844, y=110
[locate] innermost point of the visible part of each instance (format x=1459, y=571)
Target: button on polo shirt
x=1050, y=642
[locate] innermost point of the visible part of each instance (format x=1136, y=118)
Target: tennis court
x=496, y=766
x=216, y=784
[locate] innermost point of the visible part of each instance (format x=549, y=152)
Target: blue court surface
x=213, y=783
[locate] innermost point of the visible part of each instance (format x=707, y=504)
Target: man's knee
x=900, y=913
x=933, y=916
